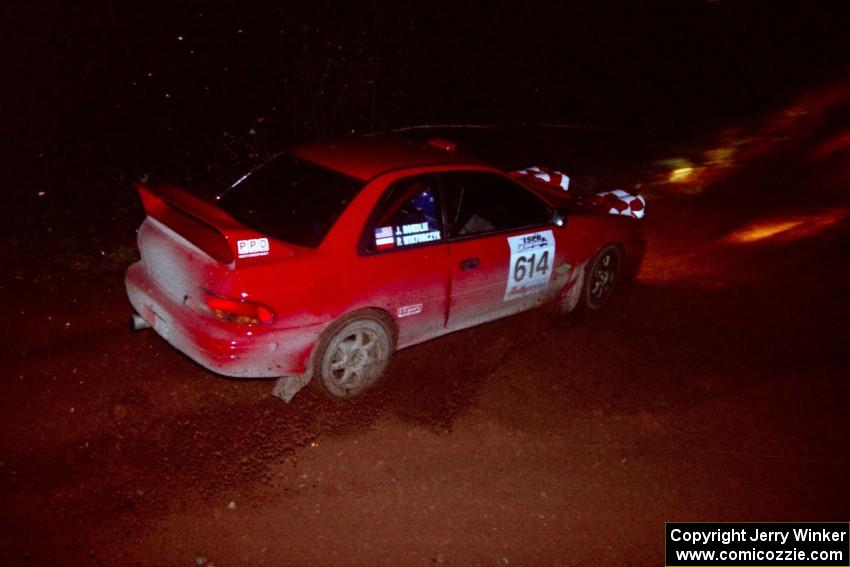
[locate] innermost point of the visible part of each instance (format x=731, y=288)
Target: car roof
x=364, y=157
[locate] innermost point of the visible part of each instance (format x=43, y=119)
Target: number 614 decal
x=530, y=268
x=526, y=266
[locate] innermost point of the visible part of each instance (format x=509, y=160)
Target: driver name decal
x=409, y=239
x=530, y=268
x=415, y=233
x=404, y=235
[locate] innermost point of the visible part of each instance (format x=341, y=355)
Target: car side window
x=481, y=202
x=407, y=216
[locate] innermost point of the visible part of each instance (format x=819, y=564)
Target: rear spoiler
x=206, y=226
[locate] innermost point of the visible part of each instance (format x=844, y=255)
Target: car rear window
x=290, y=199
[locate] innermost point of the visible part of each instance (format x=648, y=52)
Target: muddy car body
x=328, y=258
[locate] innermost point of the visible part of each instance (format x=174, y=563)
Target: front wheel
x=602, y=277
x=352, y=356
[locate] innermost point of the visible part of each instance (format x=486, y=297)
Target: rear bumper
x=239, y=351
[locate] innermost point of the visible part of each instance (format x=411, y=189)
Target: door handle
x=469, y=264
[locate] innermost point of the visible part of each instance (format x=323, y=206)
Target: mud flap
x=569, y=300
x=287, y=386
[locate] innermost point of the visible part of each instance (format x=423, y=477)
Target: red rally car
x=326, y=259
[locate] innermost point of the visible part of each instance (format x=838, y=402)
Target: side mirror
x=558, y=218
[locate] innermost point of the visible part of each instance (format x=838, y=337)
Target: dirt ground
x=713, y=388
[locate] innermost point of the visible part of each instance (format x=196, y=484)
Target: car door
x=404, y=257
x=501, y=247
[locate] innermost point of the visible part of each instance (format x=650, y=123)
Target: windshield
x=290, y=199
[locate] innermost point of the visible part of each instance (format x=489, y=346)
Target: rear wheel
x=353, y=355
x=602, y=277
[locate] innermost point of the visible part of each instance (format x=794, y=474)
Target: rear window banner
x=290, y=199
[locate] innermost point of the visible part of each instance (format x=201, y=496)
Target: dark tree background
x=97, y=94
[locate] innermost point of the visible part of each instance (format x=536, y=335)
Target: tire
x=602, y=277
x=352, y=355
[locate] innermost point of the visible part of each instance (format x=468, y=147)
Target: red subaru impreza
x=326, y=259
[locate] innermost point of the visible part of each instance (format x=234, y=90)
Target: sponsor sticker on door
x=408, y=310
x=530, y=268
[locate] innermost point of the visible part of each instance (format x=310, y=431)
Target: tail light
x=238, y=311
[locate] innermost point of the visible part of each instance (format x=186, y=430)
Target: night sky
x=99, y=94
x=713, y=387
x=131, y=87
